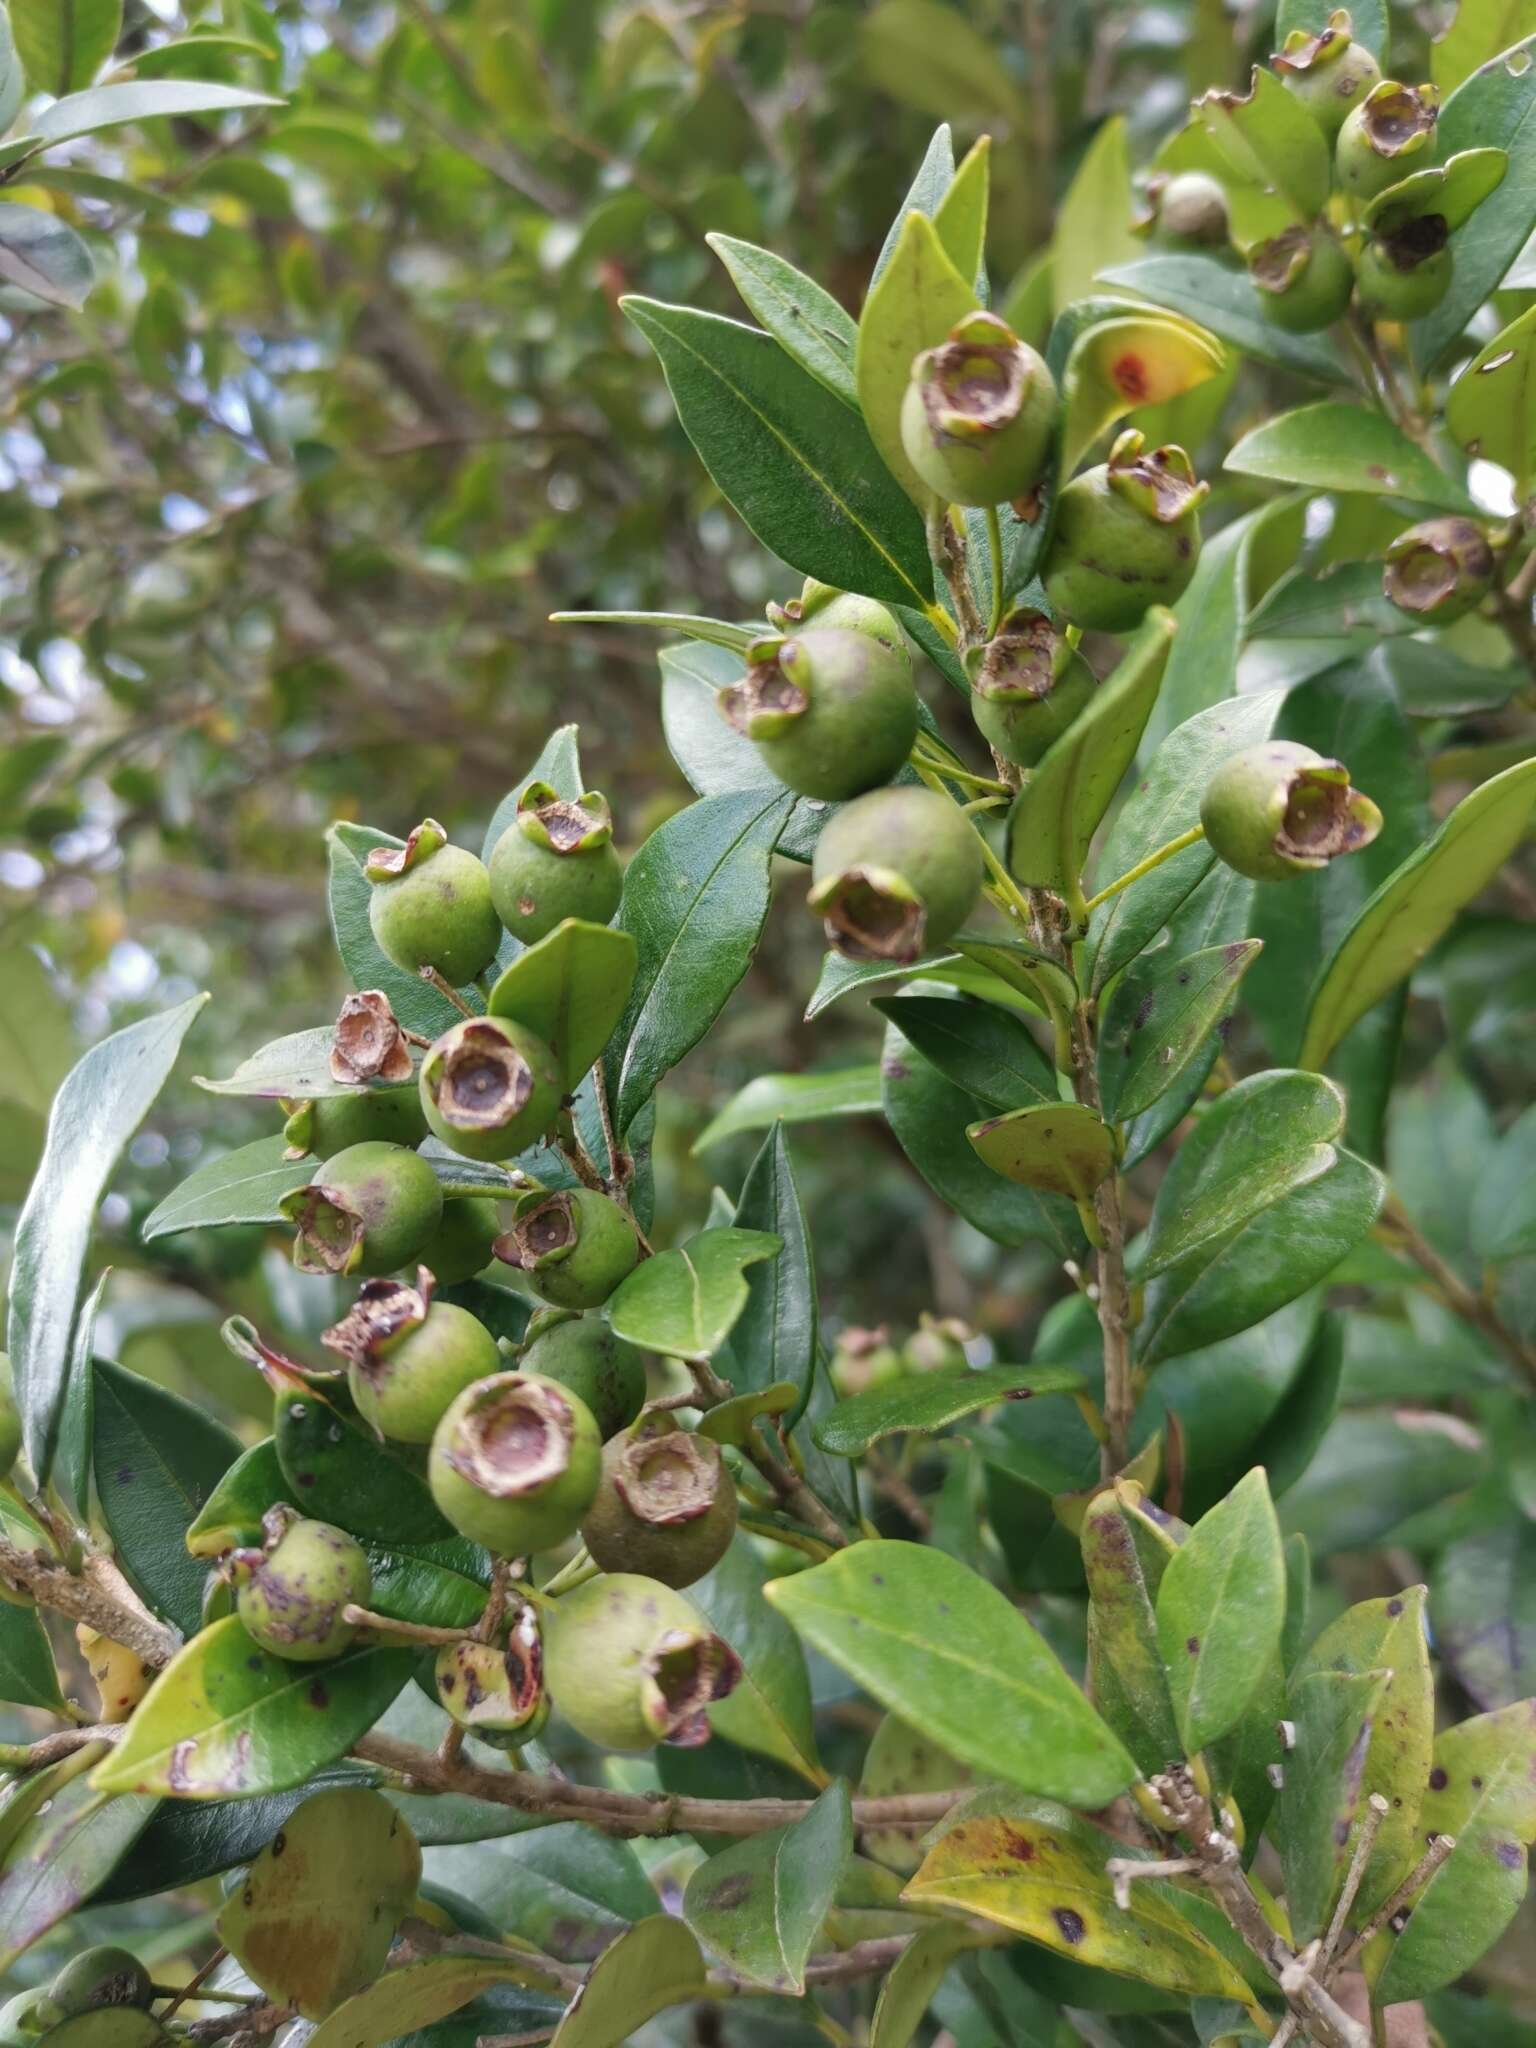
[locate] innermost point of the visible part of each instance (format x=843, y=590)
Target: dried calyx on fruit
x=1303, y=277
x=431, y=906
x=895, y=874
x=592, y=1359
x=408, y=1356
x=1027, y=686
x=515, y=1462
x=1280, y=809
x=833, y=711
x=1327, y=71
x=979, y=415
x=369, y=1209
x=665, y=1505
x=496, y=1690
x=629, y=1664
x=1378, y=142
x=1440, y=569
x=368, y=1044
x=575, y=1245
x=329, y=1123
x=291, y=1595
x=1127, y=536
x=99, y=1977
x=555, y=860
x=489, y=1088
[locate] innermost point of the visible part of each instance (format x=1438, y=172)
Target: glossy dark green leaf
x=654, y=1965
x=226, y=1718
x=695, y=897
x=243, y=1186
x=988, y=1052
x=774, y=1337
x=1158, y=1019
x=1061, y=1148
x=685, y=1303
x=157, y=1460
x=803, y=319
x=1332, y=1713
x=570, y=988
x=28, y=1677
x=1485, y=1612
x=932, y=1401
x=926, y=1637
x=567, y=1889
x=101, y=1104
x=1374, y=1470
x=1221, y=297
x=60, y=1858
x=796, y=463
x=418, y=1006
x=232, y=1512
x=1125, y=1554
x=795, y=1099
x=1344, y=603
x=1288, y=1441
x=759, y=1905
x=1220, y=1610
x=339, y=1472
x=1331, y=446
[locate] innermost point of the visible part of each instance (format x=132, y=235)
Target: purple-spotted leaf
x=1125, y=1555
x=55, y=1863
x=1331, y=1715
x=759, y=1904
x=1159, y=1017
x=1220, y=1611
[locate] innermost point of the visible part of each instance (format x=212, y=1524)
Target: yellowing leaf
x=1121, y=365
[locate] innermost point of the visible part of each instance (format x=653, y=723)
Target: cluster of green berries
x=99, y=1999
x=1383, y=240
x=865, y=1359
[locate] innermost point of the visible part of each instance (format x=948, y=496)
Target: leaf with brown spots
x=656, y=1964
x=1220, y=1610
x=1125, y=1554
x=418, y=1994
x=759, y=1905
x=1331, y=1713
x=1120, y=365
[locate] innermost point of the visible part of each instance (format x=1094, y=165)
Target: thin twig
x=1458, y=1296
x=50, y=1749
x=1124, y=1871
x=83, y=1599
x=447, y=991
x=407, y=1631
x=1376, y=1811
x=1402, y=1898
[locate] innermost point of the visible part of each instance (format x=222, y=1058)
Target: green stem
x=1153, y=860
x=995, y=553
x=576, y=1573
x=925, y=755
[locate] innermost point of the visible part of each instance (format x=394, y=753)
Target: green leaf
x=908, y=1986
x=988, y=1052
x=1485, y=1611
x=224, y=1718
x=1368, y=22
x=1491, y=408
x=1482, y=1791
x=770, y=1710
x=416, y=1994
x=231, y=1514
x=1158, y=1019
x=1494, y=108
x=1041, y=1872
x=1125, y=1555
x=759, y=1904
x=1220, y=1610
x=1477, y=31
x=932, y=1401
x=36, y=1033
x=559, y=764
x=1093, y=221
x=713, y=632
x=417, y=1005
x=64, y=43
x=157, y=1459
x=1271, y=144
x=1373, y=1471
x=58, y=1859
x=685, y=1303
x=566, y=1889
x=961, y=216
x=42, y=255
x=795, y=1099
x=803, y=319
x=1331, y=446
x=1374, y=1636
x=1332, y=1713
x=935, y=175
x=1044, y=984
x=100, y=1105
x=1414, y=908
x=919, y=297
x=570, y=988
x=1063, y=1148
x=13, y=84
x=1165, y=803
x=295, y=1067
x=695, y=897
x=110, y=106
x=656, y=1963
x=927, y=56
x=340, y=1472
x=243, y=1186
x=1224, y=299
x=775, y=1334
x=798, y=466
x=28, y=1677
x=1053, y=820
x=1118, y=366
x=926, y=1638
x=1346, y=603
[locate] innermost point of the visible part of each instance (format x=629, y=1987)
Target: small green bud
x=1439, y=569
x=895, y=874
x=101, y=1976
x=515, y=1463
x=584, y=1354
x=1189, y=207
x=463, y=1243
x=10, y=1418
x=1403, y=276
x=489, y=1088
x=555, y=860
x=1028, y=687
x=1127, y=536
x=368, y=1044
x=1327, y=71
x=862, y=1359
x=494, y=1689
x=979, y=415
x=330, y=1123
x=1280, y=809
x=629, y=1664
x=431, y=906
x=575, y=1245
x=937, y=1344
x=408, y=1356
x=1303, y=278
x=832, y=712
x=291, y=1595
x=665, y=1506
x=369, y=1209
x=1390, y=126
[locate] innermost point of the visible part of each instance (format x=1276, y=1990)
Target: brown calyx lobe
x=482, y=1082
x=514, y=1438
x=689, y=1673
x=865, y=920
x=539, y=1234
x=668, y=1480
x=971, y=386
x=368, y=1044
x=1020, y=659
x=384, y=1311
x=766, y=699
x=1321, y=819
x=1394, y=119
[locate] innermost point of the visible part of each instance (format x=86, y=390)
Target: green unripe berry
x=515, y=1463
x=1127, y=536
x=431, y=906
x=25, y=2018
x=1406, y=275
x=584, y=1354
x=291, y=1595
x=862, y=1359
x=369, y=1209
x=463, y=1243
x=665, y=1506
x=330, y=1123
x=1303, y=278
x=555, y=860
x=937, y=1344
x=1440, y=569
x=820, y=605
x=101, y=1976
x=1028, y=687
x=895, y=874
x=105, y=2026
x=832, y=712
x=1189, y=207
x=1327, y=72
x=408, y=1356
x=489, y=1088
x=10, y=1418
x=1280, y=809
x=496, y=1689
x=979, y=415
x=575, y=1246
x=1379, y=140
x=629, y=1664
